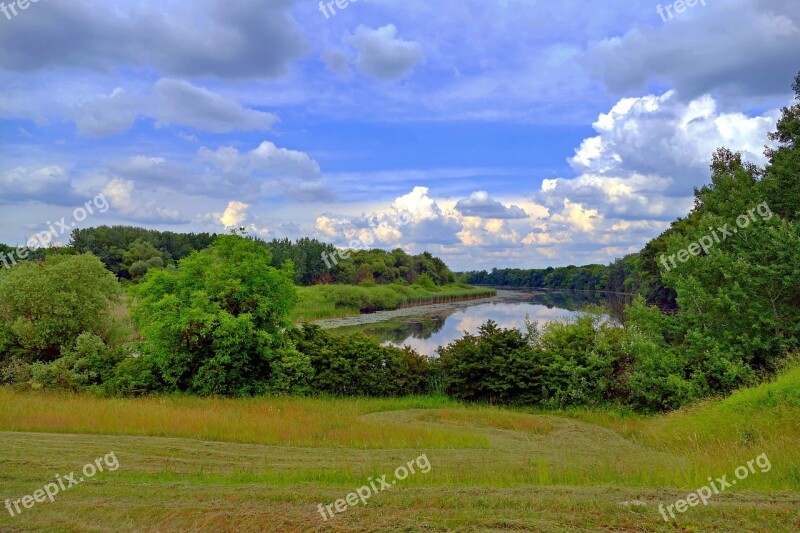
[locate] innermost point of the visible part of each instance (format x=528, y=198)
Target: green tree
x=46, y=305
x=218, y=323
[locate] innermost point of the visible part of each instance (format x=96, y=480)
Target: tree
x=783, y=171
x=47, y=305
x=218, y=323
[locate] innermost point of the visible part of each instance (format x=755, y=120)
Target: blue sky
x=508, y=133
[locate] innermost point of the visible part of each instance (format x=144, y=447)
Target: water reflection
x=426, y=333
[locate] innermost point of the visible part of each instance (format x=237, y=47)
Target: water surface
x=426, y=333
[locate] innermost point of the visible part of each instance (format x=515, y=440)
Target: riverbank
x=326, y=302
x=429, y=310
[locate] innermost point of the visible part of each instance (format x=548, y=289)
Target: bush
x=45, y=306
x=567, y=364
x=88, y=364
x=357, y=365
x=425, y=281
x=217, y=324
x=134, y=376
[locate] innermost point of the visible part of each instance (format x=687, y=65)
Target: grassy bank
x=320, y=302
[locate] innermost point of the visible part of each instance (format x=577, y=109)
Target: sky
x=503, y=133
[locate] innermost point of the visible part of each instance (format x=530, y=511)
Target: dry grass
x=276, y=421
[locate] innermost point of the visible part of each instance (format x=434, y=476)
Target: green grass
x=190, y=464
x=320, y=302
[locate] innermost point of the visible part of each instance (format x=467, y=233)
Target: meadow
x=264, y=464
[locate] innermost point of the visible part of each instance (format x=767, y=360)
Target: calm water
x=426, y=333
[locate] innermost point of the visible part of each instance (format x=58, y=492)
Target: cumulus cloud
x=267, y=171
x=650, y=152
x=267, y=159
x=479, y=204
x=234, y=214
x=382, y=54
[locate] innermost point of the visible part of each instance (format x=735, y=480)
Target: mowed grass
x=189, y=464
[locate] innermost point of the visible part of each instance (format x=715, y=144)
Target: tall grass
x=275, y=421
x=719, y=435
x=334, y=301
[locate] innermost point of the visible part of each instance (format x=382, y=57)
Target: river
x=427, y=327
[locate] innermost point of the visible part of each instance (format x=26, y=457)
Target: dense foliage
x=129, y=252
x=217, y=324
x=316, y=262
x=590, y=277
x=582, y=363
x=46, y=305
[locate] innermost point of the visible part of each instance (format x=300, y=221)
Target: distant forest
x=130, y=252
x=630, y=275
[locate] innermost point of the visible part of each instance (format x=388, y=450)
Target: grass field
x=188, y=464
x=320, y=302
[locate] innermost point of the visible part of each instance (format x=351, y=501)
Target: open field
x=191, y=464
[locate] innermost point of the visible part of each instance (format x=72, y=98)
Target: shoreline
x=380, y=316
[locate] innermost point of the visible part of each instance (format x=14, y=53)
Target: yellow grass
x=276, y=421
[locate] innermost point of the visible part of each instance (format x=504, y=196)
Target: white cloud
x=107, y=115
x=50, y=185
x=651, y=151
x=738, y=48
x=172, y=102
x=125, y=201
x=382, y=54
x=267, y=159
x=267, y=171
x=234, y=214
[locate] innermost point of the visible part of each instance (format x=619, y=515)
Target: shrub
x=357, y=365
x=217, y=324
x=134, y=376
x=45, y=306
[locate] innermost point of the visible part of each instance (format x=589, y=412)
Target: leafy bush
x=357, y=365
x=45, y=306
x=90, y=363
x=134, y=376
x=217, y=324
x=579, y=363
